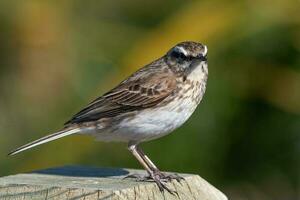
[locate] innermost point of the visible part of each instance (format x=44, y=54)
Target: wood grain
x=74, y=182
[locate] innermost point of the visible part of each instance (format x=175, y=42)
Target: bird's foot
x=159, y=178
x=166, y=177
x=159, y=175
x=138, y=177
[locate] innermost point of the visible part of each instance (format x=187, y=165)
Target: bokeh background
x=56, y=56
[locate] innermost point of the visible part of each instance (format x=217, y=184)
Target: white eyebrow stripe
x=205, y=50
x=182, y=50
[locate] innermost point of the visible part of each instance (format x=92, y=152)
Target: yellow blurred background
x=56, y=56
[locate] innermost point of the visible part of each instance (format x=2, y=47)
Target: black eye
x=178, y=55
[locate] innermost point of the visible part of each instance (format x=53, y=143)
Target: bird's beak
x=196, y=62
x=202, y=58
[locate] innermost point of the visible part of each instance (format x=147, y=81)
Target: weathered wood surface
x=72, y=182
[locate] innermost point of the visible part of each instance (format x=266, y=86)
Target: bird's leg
x=157, y=179
x=133, y=150
x=155, y=170
x=146, y=159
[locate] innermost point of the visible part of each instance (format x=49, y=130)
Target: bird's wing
x=142, y=90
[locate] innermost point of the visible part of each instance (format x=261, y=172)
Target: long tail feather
x=45, y=139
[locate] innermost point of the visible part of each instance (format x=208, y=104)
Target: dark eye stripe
x=178, y=55
x=189, y=57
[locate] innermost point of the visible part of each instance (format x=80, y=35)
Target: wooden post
x=73, y=182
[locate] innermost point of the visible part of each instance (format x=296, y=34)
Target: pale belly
x=151, y=123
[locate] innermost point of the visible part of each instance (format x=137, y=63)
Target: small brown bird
x=149, y=104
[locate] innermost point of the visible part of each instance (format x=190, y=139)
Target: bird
x=149, y=104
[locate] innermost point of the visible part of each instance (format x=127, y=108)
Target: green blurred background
x=56, y=56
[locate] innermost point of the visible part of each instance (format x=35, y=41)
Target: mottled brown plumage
x=145, y=88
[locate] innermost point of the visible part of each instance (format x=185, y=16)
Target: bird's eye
x=178, y=55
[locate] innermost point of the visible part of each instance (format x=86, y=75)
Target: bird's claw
x=176, y=177
x=138, y=177
x=167, y=177
x=159, y=178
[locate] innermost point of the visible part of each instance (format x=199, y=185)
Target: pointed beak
x=195, y=63
x=202, y=58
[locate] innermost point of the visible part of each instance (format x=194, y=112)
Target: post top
x=104, y=181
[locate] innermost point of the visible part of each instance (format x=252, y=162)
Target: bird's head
x=185, y=57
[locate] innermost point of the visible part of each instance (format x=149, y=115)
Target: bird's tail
x=48, y=138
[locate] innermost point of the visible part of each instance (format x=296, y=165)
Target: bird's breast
x=158, y=121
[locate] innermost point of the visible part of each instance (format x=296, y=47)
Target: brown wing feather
x=142, y=90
